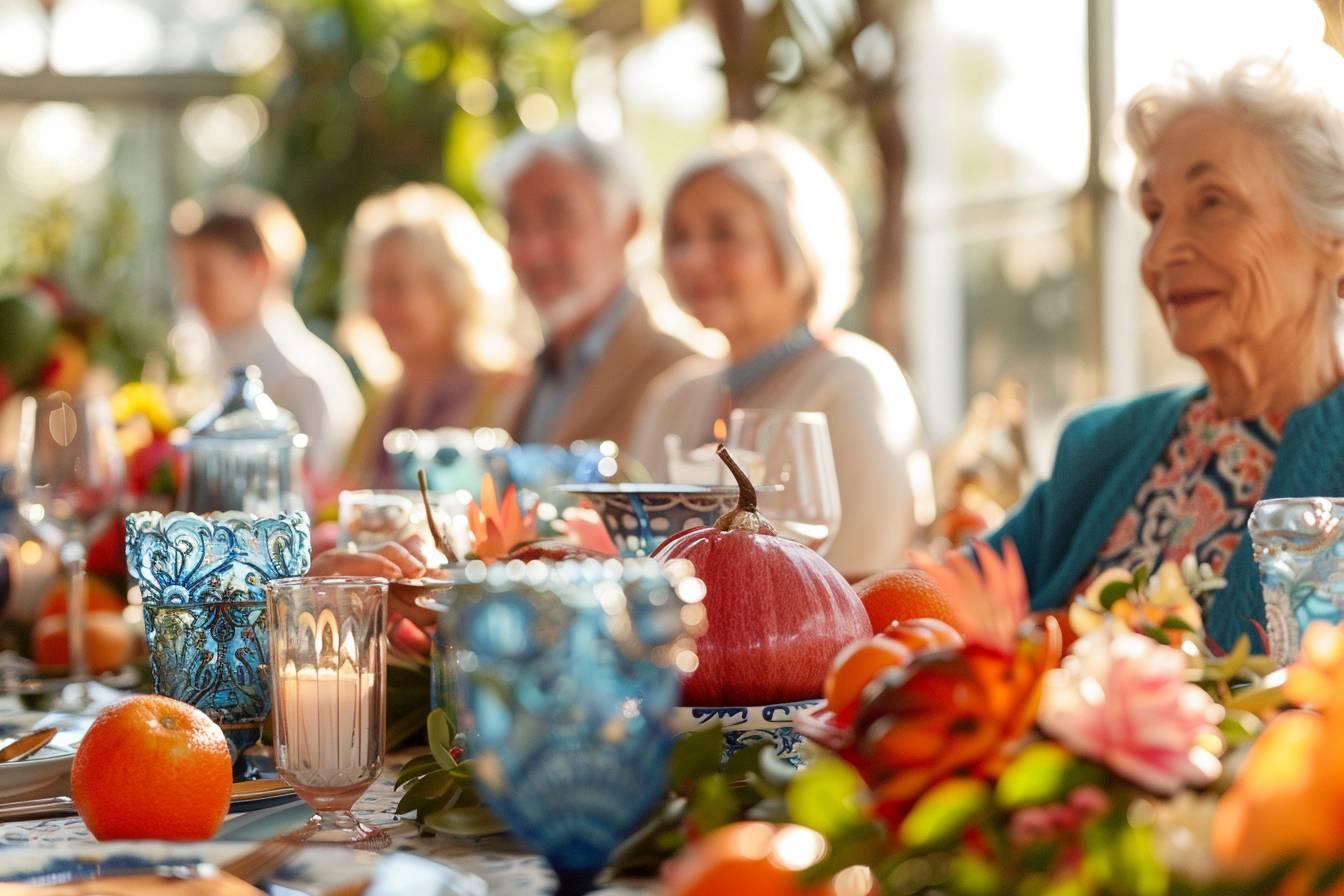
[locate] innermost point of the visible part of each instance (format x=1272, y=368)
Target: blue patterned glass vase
x=202, y=581
x=1299, y=546
x=567, y=682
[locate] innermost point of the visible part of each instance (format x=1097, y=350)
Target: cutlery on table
x=26, y=745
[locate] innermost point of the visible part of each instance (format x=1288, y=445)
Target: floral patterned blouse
x=1199, y=494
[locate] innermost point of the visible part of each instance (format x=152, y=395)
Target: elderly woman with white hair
x=439, y=289
x=760, y=244
x=1241, y=179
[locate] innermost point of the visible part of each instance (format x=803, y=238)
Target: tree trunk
x=734, y=27
x=886, y=295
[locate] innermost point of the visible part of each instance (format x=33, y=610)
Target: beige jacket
x=874, y=425
x=613, y=391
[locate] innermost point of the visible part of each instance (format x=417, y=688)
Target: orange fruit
x=747, y=857
x=903, y=594
x=854, y=667
x=100, y=596
x=152, y=768
x=924, y=634
x=108, y=642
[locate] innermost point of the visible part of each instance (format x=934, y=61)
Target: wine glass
x=791, y=450
x=68, y=478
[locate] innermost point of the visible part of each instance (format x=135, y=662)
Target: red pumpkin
x=777, y=613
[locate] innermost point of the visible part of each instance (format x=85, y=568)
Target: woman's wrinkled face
x=406, y=300
x=1226, y=259
x=721, y=262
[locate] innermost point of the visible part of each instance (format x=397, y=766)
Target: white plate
x=41, y=770
x=47, y=766
x=313, y=870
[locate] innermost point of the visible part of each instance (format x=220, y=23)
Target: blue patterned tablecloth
x=507, y=868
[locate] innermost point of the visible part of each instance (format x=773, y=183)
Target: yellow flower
x=145, y=400
x=1165, y=598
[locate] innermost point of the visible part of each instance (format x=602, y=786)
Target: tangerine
x=747, y=857
x=99, y=596
x=854, y=667
x=924, y=634
x=108, y=642
x=152, y=768
x=903, y=594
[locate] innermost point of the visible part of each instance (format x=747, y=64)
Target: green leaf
x=1141, y=578
x=827, y=796
x=712, y=804
x=1114, y=593
x=473, y=821
x=970, y=875
x=1330, y=875
x=432, y=787
x=1157, y=634
x=695, y=755
x=944, y=812
x=746, y=761
x=1239, y=727
x=441, y=738
x=416, y=768
x=1176, y=622
x=1040, y=774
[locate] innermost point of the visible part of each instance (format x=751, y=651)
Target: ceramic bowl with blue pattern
x=744, y=726
x=641, y=516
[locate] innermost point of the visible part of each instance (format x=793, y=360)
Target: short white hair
x=810, y=221
x=1278, y=100
x=471, y=268
x=611, y=164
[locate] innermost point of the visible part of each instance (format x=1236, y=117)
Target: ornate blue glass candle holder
x=1299, y=545
x=202, y=581
x=567, y=682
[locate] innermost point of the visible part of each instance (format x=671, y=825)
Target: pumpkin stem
x=744, y=515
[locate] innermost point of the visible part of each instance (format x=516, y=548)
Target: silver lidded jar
x=244, y=453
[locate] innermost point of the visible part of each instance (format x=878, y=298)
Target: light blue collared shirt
x=560, y=372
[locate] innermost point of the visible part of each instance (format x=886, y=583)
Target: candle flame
x=720, y=430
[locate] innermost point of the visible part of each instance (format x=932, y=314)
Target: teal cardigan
x=1104, y=456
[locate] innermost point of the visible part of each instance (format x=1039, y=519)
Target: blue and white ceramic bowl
x=744, y=726
x=641, y=516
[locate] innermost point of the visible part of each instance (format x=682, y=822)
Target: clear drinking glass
x=69, y=477
x=371, y=517
x=329, y=689
x=792, y=450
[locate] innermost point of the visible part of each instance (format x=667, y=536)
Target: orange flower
x=957, y=711
x=499, y=526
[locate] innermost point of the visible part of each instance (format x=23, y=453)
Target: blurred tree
x=848, y=49
x=369, y=94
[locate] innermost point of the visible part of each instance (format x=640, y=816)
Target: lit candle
x=328, y=716
x=702, y=466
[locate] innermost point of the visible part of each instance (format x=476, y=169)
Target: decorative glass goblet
x=201, y=580
x=1299, y=545
x=329, y=665
x=567, y=680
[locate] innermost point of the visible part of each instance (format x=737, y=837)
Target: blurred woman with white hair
x=759, y=243
x=1241, y=180
x=422, y=268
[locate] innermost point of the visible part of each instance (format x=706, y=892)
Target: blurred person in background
x=439, y=290
x=760, y=243
x=572, y=208
x=236, y=262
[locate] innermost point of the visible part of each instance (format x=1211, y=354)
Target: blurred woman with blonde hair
x=759, y=243
x=450, y=333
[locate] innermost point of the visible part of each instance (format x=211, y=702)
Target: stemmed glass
x=793, y=449
x=69, y=477
x=329, y=673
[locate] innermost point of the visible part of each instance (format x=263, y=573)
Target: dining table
x=506, y=867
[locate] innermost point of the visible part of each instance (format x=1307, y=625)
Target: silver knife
x=27, y=745
x=46, y=807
